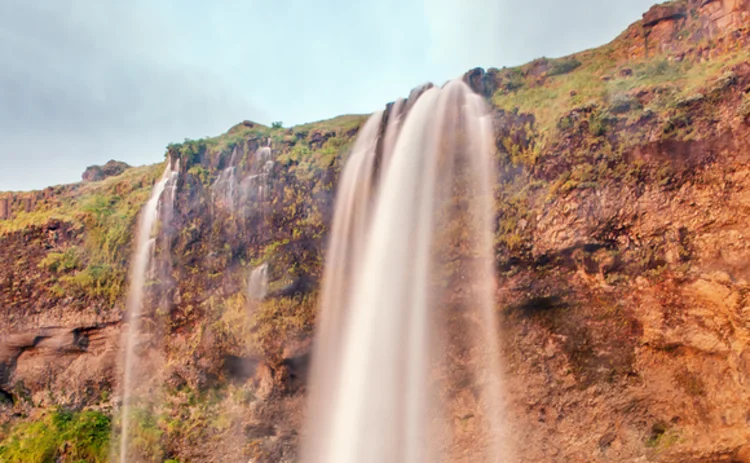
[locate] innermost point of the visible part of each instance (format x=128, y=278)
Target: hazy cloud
x=86, y=81
x=495, y=33
x=83, y=81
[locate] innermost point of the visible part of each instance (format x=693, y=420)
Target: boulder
x=110, y=169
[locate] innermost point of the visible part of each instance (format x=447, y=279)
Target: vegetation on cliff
x=614, y=165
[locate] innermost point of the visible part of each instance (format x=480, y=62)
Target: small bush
x=623, y=103
x=277, y=125
x=563, y=66
x=61, y=262
x=280, y=320
x=201, y=173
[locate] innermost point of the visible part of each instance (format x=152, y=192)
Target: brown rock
x=743, y=454
x=5, y=211
x=664, y=12
x=110, y=169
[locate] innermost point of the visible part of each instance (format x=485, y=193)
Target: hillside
x=622, y=218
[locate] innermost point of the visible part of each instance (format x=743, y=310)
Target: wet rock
x=481, y=82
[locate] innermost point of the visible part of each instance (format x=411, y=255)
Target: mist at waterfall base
x=406, y=357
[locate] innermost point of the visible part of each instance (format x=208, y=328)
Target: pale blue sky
x=85, y=81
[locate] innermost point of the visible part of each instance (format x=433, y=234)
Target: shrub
x=61, y=262
x=280, y=320
x=622, y=103
x=563, y=66
x=276, y=125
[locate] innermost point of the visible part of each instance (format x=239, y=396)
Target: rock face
x=622, y=231
x=665, y=12
x=5, y=211
x=110, y=169
x=682, y=27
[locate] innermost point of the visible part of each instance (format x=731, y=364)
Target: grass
x=105, y=212
x=60, y=436
x=599, y=81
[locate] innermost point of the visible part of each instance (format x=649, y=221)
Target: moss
x=276, y=321
x=61, y=436
x=690, y=383
x=62, y=262
x=201, y=173
x=662, y=436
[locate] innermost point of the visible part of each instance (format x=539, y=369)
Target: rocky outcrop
x=70, y=366
x=110, y=169
x=666, y=12
x=5, y=207
x=694, y=28
x=482, y=82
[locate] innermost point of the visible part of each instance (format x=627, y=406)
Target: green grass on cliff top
x=601, y=80
x=120, y=196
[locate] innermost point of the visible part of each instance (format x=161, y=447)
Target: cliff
x=620, y=255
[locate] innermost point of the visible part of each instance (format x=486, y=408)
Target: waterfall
x=254, y=188
x=254, y=184
x=348, y=237
x=141, y=262
x=257, y=284
x=224, y=188
x=407, y=344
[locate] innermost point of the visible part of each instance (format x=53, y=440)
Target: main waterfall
x=405, y=366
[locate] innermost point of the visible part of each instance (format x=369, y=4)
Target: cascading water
x=349, y=235
x=257, y=284
x=225, y=186
x=142, y=259
x=393, y=128
x=254, y=184
x=406, y=361
x=254, y=187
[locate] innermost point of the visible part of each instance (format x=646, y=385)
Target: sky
x=85, y=81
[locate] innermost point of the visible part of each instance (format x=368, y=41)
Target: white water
x=257, y=284
x=142, y=258
x=255, y=188
x=417, y=319
x=225, y=186
x=345, y=249
x=393, y=129
x=254, y=184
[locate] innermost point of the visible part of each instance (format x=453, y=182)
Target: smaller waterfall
x=142, y=258
x=254, y=186
x=257, y=284
x=224, y=189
